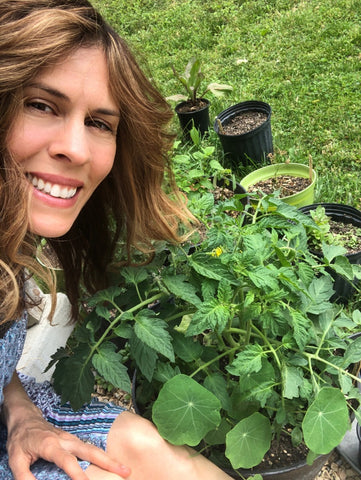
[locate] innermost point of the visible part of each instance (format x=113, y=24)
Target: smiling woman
x=83, y=157
x=65, y=138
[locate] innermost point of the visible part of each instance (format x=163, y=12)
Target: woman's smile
x=65, y=138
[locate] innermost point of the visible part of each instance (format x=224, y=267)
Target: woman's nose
x=71, y=142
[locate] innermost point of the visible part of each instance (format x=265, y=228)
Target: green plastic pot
x=299, y=199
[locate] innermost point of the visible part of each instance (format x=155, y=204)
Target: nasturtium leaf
x=326, y=421
x=153, y=332
x=248, y=441
x=185, y=411
x=109, y=365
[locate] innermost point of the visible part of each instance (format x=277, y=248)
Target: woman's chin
x=49, y=230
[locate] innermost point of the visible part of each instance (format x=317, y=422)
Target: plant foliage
x=234, y=341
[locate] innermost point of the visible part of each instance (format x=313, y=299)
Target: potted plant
x=245, y=133
x=339, y=227
x=294, y=182
x=237, y=346
x=193, y=109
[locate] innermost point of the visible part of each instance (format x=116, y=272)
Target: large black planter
x=249, y=148
x=299, y=471
x=197, y=118
x=345, y=214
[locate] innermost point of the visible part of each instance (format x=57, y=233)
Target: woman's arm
x=31, y=437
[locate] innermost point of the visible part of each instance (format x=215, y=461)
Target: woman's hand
x=31, y=437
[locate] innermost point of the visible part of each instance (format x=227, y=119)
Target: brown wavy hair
x=130, y=207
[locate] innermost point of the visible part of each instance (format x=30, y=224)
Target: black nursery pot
x=345, y=214
x=297, y=471
x=197, y=118
x=250, y=148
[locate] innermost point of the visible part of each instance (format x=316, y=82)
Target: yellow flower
x=216, y=252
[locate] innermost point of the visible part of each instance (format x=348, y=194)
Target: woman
x=83, y=159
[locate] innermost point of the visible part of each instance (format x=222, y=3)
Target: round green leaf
x=248, y=441
x=185, y=412
x=326, y=421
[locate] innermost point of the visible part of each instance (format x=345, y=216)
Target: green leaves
x=185, y=412
x=248, y=441
x=153, y=332
x=326, y=421
x=109, y=365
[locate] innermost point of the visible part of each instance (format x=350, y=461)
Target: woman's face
x=65, y=138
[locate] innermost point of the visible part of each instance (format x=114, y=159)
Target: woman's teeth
x=52, y=189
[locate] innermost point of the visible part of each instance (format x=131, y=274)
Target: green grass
x=301, y=57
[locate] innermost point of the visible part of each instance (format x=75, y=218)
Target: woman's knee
x=135, y=432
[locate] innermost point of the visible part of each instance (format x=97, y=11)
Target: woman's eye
x=37, y=105
x=92, y=122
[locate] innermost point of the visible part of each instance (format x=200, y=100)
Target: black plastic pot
x=299, y=471
x=249, y=148
x=197, y=118
x=345, y=214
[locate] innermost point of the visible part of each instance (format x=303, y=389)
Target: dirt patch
x=347, y=235
x=244, y=122
x=189, y=106
x=286, y=184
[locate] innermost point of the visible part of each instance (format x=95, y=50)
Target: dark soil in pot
x=347, y=234
x=189, y=106
x=286, y=184
x=244, y=122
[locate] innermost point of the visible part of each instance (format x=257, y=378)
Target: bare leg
x=136, y=443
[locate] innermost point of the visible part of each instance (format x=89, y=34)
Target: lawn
x=301, y=57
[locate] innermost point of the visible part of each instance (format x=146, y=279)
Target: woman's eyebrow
x=57, y=93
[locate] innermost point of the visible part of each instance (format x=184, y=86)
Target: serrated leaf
x=217, y=384
x=144, y=356
x=343, y=267
x=107, y=295
x=211, y=315
x=211, y=267
x=153, y=332
x=73, y=377
x=109, y=365
x=185, y=412
x=332, y=251
x=247, y=361
x=292, y=380
x=178, y=285
x=186, y=348
x=134, y=275
x=302, y=329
